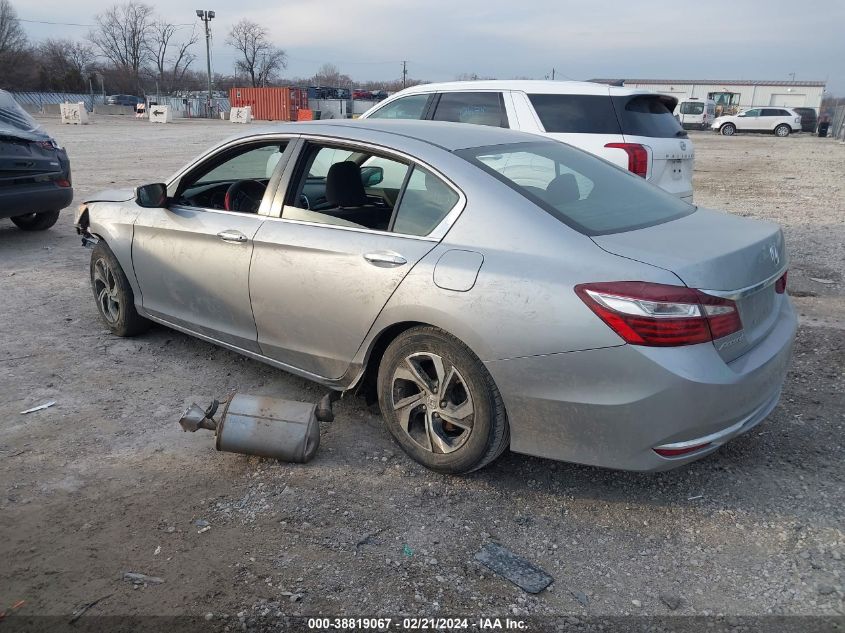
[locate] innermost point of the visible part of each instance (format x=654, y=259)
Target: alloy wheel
x=106, y=290
x=432, y=402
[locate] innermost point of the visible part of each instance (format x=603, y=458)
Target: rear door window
x=692, y=108
x=647, y=115
x=575, y=114
x=771, y=112
x=479, y=108
x=410, y=107
x=425, y=202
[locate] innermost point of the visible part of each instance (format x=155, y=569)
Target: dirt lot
x=106, y=482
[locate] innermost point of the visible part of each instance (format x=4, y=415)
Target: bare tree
x=330, y=75
x=260, y=60
x=122, y=35
x=64, y=64
x=12, y=36
x=171, y=58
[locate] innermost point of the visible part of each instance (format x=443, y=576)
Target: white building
x=733, y=94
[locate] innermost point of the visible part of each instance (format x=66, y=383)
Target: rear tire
x=113, y=294
x=728, y=129
x=36, y=221
x=440, y=403
x=783, y=130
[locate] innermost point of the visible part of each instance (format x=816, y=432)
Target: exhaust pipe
x=257, y=425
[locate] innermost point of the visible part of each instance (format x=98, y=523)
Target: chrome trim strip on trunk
x=749, y=290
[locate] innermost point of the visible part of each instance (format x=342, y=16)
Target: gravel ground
x=105, y=482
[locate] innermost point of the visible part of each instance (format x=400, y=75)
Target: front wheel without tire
x=782, y=130
x=440, y=403
x=728, y=129
x=115, y=300
x=36, y=221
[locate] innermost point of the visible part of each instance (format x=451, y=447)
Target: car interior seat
x=345, y=192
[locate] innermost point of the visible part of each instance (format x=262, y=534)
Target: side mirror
x=151, y=196
x=371, y=176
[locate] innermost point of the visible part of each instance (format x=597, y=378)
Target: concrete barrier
x=114, y=109
x=241, y=115
x=52, y=109
x=161, y=114
x=74, y=113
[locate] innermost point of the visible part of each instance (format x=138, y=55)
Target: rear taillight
x=637, y=157
x=780, y=284
x=660, y=315
x=62, y=182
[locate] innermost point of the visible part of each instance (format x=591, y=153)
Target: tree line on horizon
x=132, y=50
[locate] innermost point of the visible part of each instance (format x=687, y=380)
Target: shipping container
x=270, y=104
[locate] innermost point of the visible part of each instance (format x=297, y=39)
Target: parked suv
x=779, y=121
x=634, y=129
x=34, y=171
x=124, y=100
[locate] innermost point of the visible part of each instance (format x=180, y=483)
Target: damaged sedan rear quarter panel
x=573, y=388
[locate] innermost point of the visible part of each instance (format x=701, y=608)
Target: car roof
x=446, y=135
x=527, y=85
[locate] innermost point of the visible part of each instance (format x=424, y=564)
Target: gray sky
x=368, y=39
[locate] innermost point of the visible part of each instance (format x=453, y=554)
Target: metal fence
x=182, y=107
x=837, y=123
x=39, y=99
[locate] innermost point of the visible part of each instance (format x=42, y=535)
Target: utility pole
x=404, y=74
x=792, y=75
x=206, y=17
x=553, y=74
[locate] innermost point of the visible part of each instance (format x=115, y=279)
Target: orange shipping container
x=270, y=104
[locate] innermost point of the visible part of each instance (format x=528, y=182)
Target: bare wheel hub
x=432, y=402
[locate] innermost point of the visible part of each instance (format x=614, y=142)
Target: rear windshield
x=14, y=119
x=692, y=108
x=647, y=115
x=588, y=194
x=576, y=114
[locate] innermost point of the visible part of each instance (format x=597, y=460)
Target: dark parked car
x=35, y=182
x=809, y=120
x=124, y=100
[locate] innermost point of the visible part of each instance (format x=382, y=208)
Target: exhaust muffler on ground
x=258, y=425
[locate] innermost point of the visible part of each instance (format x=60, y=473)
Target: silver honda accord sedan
x=491, y=289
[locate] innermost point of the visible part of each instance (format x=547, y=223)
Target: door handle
x=232, y=236
x=384, y=259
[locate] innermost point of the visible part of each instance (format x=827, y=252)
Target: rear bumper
x=611, y=407
x=33, y=198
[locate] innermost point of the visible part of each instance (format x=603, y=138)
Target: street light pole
x=206, y=17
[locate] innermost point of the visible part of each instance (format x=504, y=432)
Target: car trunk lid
x=720, y=254
x=24, y=160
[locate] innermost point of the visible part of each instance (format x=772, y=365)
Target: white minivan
x=634, y=129
x=696, y=114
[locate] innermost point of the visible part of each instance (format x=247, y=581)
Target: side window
x=345, y=187
x=577, y=114
x=426, y=201
x=752, y=113
x=480, y=108
x=770, y=112
x=235, y=181
x=410, y=107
